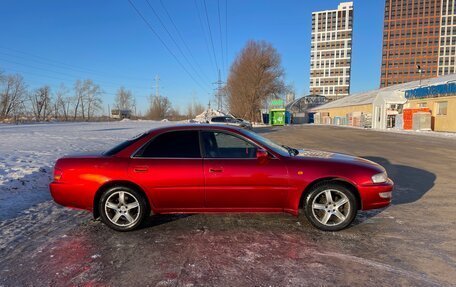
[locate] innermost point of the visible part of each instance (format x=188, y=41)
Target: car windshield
x=268, y=143
x=124, y=145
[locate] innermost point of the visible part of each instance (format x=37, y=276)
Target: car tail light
x=57, y=174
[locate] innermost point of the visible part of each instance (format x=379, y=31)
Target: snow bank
x=207, y=115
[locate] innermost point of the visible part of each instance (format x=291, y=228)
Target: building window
x=422, y=105
x=442, y=108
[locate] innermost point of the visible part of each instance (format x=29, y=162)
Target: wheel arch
x=110, y=184
x=336, y=180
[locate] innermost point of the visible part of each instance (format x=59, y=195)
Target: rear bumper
x=70, y=195
x=376, y=195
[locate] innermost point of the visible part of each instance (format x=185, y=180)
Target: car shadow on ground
x=410, y=184
x=159, y=219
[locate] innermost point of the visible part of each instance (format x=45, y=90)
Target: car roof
x=195, y=126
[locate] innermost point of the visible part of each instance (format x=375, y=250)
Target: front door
x=235, y=178
x=170, y=169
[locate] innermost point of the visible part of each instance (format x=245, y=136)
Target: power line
x=58, y=64
x=65, y=79
x=220, y=31
x=204, y=35
x=182, y=39
x=59, y=72
x=164, y=44
x=210, y=34
x=174, y=41
x=51, y=77
x=226, y=35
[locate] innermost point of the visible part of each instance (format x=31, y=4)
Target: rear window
x=178, y=144
x=124, y=145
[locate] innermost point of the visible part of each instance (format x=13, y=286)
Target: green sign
x=276, y=104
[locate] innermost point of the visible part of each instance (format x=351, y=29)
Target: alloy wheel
x=331, y=207
x=122, y=208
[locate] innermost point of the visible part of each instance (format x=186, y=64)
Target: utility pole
x=157, y=86
x=218, y=94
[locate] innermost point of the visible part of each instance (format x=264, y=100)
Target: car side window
x=177, y=144
x=224, y=145
x=231, y=120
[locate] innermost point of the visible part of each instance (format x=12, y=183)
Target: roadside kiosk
x=277, y=112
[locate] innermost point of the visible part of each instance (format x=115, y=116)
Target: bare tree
x=124, y=100
x=62, y=102
x=255, y=76
x=41, y=103
x=159, y=109
x=87, y=99
x=194, y=109
x=78, y=97
x=12, y=93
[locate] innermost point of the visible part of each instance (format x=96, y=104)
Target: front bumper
x=376, y=195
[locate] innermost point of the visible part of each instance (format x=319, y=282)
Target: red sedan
x=207, y=168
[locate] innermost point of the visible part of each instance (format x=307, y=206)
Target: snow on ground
x=28, y=153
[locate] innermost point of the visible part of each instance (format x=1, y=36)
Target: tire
x=122, y=208
x=330, y=207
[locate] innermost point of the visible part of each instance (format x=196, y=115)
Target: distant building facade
x=120, y=114
x=419, y=40
x=331, y=46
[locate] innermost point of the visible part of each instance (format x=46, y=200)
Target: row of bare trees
x=82, y=102
x=17, y=103
x=160, y=107
x=255, y=77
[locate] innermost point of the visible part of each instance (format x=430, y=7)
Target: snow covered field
x=28, y=153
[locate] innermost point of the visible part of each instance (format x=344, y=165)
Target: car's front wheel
x=330, y=207
x=122, y=208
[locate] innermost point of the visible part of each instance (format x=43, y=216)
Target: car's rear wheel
x=122, y=208
x=330, y=207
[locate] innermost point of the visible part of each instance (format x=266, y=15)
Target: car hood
x=336, y=157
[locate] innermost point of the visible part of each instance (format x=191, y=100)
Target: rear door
x=235, y=178
x=169, y=168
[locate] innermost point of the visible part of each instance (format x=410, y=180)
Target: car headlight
x=380, y=177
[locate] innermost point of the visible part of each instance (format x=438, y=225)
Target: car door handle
x=140, y=169
x=214, y=170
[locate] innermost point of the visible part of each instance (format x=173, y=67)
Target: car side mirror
x=262, y=154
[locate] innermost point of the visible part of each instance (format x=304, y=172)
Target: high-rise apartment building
x=447, y=51
x=331, y=46
x=419, y=40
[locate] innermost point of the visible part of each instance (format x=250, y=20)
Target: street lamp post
x=420, y=71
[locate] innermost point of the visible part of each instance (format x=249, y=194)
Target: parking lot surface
x=410, y=243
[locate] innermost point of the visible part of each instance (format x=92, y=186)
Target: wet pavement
x=410, y=243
